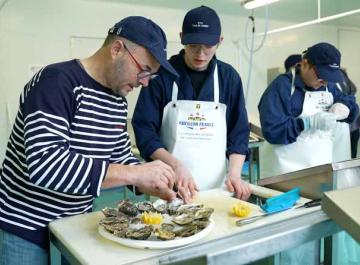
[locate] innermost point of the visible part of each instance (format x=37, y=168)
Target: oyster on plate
x=160, y=206
x=164, y=234
x=128, y=208
x=140, y=234
x=145, y=206
x=177, y=219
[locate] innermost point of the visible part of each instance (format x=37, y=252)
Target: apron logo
x=197, y=106
x=197, y=121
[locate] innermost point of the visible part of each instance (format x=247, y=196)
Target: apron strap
x=292, y=81
x=174, y=92
x=216, y=85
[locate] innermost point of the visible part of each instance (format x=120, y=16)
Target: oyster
x=164, y=234
x=127, y=208
x=203, y=213
x=186, y=231
x=113, y=220
x=174, y=205
x=145, y=206
x=120, y=232
x=140, y=234
x=135, y=220
x=115, y=226
x=183, y=219
x=189, y=208
x=111, y=212
x=201, y=224
x=166, y=226
x=160, y=206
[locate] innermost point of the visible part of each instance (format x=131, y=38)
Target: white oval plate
x=151, y=244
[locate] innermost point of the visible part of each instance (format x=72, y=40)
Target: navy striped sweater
x=66, y=132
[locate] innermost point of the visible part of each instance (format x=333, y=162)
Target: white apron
x=313, y=147
x=195, y=133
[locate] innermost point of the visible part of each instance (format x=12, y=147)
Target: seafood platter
x=156, y=225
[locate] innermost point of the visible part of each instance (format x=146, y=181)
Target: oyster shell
x=114, y=220
x=174, y=205
x=120, y=232
x=116, y=226
x=189, y=208
x=203, y=213
x=186, y=231
x=127, y=208
x=111, y=212
x=140, y=234
x=164, y=234
x=160, y=206
x=145, y=206
x=183, y=219
x=167, y=226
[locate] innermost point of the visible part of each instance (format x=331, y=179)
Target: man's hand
x=185, y=183
x=154, y=178
x=240, y=188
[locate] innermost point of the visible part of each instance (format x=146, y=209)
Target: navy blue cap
x=291, y=61
x=146, y=33
x=326, y=59
x=201, y=25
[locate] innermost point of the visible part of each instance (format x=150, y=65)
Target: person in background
x=304, y=119
x=69, y=139
x=291, y=62
x=302, y=112
x=349, y=88
x=193, y=123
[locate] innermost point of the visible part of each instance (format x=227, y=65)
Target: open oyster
x=203, y=213
x=174, y=205
x=160, y=206
x=111, y=212
x=140, y=234
x=186, y=231
x=127, y=207
x=183, y=219
x=145, y=206
x=164, y=234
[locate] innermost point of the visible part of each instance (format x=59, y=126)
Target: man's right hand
x=154, y=178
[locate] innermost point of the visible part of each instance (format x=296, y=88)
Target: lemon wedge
x=151, y=218
x=241, y=209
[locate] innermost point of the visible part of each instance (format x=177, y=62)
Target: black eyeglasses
x=143, y=73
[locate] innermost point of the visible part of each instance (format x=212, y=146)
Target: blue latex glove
x=321, y=121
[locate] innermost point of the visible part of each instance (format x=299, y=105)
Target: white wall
x=39, y=32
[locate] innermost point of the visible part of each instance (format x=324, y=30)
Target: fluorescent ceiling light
x=251, y=4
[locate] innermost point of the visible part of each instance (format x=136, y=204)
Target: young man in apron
x=196, y=122
x=304, y=117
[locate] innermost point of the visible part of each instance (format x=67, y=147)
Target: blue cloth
x=17, y=251
x=281, y=202
x=279, y=111
x=148, y=113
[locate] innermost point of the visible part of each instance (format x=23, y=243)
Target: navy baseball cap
x=201, y=25
x=291, y=61
x=146, y=33
x=326, y=59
